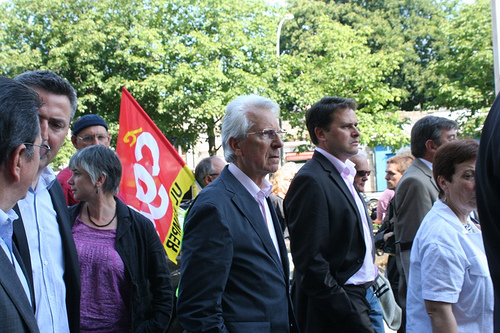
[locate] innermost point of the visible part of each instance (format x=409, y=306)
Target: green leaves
x=184, y=60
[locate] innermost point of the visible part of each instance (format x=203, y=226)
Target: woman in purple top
x=123, y=266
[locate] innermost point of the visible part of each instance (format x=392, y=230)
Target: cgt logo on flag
x=155, y=178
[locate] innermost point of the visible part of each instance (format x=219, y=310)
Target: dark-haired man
x=330, y=230
x=20, y=151
x=43, y=231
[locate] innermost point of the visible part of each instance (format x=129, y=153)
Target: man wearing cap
x=88, y=130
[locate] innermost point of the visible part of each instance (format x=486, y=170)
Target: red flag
x=155, y=178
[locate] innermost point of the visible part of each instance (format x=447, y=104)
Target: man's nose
x=44, y=130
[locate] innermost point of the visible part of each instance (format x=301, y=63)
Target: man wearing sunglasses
x=330, y=230
x=362, y=171
x=43, y=230
x=208, y=170
x=88, y=130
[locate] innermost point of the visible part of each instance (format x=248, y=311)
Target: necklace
x=97, y=225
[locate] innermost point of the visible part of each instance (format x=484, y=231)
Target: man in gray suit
x=417, y=191
x=20, y=151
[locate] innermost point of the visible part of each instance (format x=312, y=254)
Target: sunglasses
x=362, y=173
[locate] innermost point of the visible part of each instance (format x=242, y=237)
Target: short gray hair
x=97, y=160
x=204, y=168
x=235, y=123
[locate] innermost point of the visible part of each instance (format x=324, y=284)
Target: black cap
x=87, y=121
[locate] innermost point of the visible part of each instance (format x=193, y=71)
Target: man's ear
x=208, y=179
x=431, y=146
x=74, y=140
x=16, y=162
x=320, y=133
x=235, y=145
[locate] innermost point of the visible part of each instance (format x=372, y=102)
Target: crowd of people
x=76, y=258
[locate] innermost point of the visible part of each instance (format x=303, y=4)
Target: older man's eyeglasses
x=362, y=173
x=91, y=138
x=269, y=134
x=44, y=149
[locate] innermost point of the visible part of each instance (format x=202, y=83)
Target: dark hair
x=322, y=113
x=97, y=160
x=204, y=168
x=428, y=128
x=449, y=155
x=19, y=121
x=402, y=162
x=52, y=83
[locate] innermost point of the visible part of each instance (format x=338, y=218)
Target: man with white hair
x=234, y=261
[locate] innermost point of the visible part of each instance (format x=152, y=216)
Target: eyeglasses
x=362, y=173
x=268, y=133
x=44, y=149
x=91, y=138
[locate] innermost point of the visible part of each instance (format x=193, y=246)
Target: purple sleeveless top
x=105, y=299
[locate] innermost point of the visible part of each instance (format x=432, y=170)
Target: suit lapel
x=279, y=237
x=251, y=210
x=25, y=272
x=14, y=289
x=426, y=171
x=337, y=179
x=23, y=250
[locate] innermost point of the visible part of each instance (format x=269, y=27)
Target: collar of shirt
x=6, y=220
x=46, y=180
x=251, y=187
x=429, y=164
x=346, y=170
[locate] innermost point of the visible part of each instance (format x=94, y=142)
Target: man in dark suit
x=20, y=151
x=488, y=197
x=234, y=271
x=417, y=191
x=330, y=230
x=43, y=231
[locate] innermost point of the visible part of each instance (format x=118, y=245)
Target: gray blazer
x=16, y=313
x=415, y=195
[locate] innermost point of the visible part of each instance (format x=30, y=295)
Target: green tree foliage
x=328, y=58
x=184, y=60
x=462, y=73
